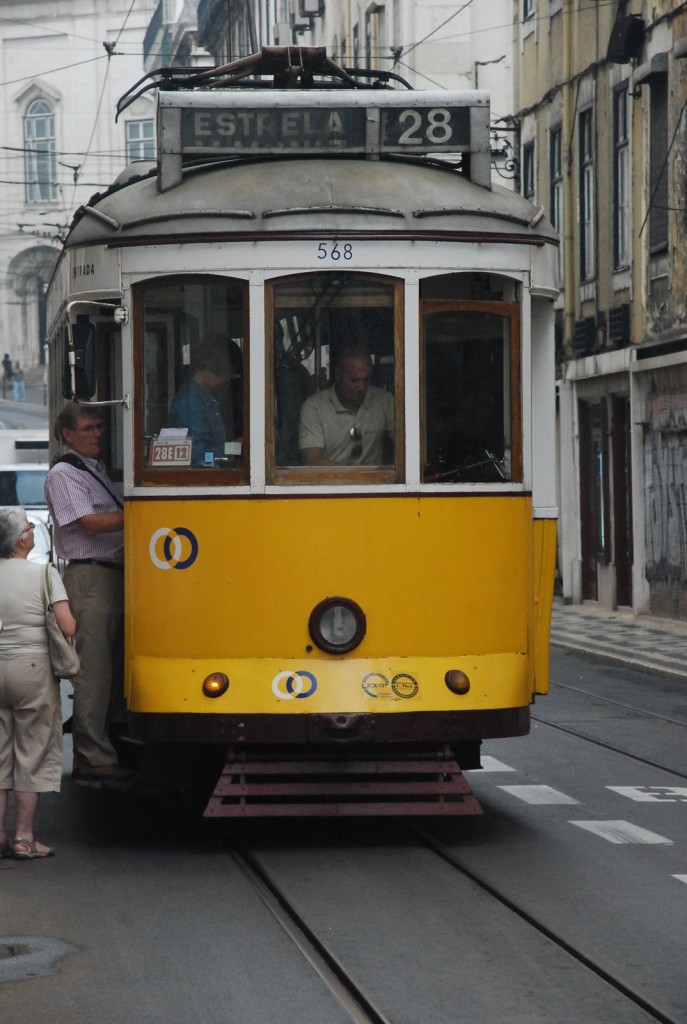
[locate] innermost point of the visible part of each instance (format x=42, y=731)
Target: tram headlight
x=337, y=625
x=215, y=684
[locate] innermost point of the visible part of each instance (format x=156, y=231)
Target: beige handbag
x=63, y=656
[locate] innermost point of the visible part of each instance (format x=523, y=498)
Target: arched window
x=40, y=159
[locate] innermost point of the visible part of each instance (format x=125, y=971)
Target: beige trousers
x=96, y=596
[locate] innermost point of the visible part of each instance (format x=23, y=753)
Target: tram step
x=261, y=789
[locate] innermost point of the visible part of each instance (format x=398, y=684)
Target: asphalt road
x=23, y=415
x=564, y=903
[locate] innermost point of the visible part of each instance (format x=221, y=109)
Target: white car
x=23, y=484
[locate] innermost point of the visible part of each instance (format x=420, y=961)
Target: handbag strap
x=47, y=589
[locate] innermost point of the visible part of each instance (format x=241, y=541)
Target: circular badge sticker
x=404, y=686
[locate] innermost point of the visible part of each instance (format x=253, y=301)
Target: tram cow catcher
x=324, y=345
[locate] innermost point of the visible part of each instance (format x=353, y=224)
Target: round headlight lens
x=337, y=625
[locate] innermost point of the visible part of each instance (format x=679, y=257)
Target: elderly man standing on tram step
x=88, y=520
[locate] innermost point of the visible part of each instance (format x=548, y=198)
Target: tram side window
x=334, y=374
x=98, y=378
x=471, y=431
x=193, y=346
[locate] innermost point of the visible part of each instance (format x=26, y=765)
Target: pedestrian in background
x=6, y=373
x=18, y=384
x=30, y=708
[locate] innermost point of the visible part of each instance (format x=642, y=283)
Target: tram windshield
x=334, y=372
x=334, y=383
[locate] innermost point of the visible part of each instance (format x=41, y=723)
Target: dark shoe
x=26, y=849
x=104, y=776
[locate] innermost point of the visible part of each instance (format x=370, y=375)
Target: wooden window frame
x=335, y=476
x=510, y=310
x=187, y=476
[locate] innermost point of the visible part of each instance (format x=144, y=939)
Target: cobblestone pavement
x=642, y=642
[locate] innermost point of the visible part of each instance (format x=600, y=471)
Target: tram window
x=191, y=347
x=98, y=347
x=335, y=374
x=470, y=408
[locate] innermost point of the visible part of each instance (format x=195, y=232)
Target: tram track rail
x=605, y=744
x=610, y=747
x=329, y=969
x=618, y=703
x=549, y=933
x=347, y=991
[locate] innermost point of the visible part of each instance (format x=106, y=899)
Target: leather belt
x=96, y=561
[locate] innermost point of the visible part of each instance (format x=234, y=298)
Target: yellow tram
x=343, y=630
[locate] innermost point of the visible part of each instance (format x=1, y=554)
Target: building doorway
x=605, y=498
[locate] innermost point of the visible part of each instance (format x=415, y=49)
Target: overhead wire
x=45, y=28
x=110, y=51
x=51, y=71
x=409, y=49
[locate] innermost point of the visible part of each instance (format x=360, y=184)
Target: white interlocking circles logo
x=290, y=685
x=173, y=548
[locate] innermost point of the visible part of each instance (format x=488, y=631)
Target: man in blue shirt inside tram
x=215, y=361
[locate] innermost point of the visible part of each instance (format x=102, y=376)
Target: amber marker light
x=215, y=684
x=457, y=681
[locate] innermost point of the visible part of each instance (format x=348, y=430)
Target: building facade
x=431, y=45
x=63, y=68
x=600, y=97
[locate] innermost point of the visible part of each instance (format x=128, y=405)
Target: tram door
x=605, y=495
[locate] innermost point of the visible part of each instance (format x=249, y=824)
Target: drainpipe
x=569, y=281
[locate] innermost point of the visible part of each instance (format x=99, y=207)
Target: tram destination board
x=245, y=123
x=315, y=129
x=312, y=129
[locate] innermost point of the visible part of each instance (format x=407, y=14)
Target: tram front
x=337, y=457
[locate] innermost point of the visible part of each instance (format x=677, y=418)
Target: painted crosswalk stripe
x=652, y=794
x=492, y=764
x=681, y=878
x=622, y=832
x=539, y=795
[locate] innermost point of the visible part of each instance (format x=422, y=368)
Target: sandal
x=29, y=850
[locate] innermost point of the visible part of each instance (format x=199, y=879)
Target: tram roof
x=277, y=197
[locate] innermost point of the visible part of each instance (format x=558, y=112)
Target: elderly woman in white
x=30, y=711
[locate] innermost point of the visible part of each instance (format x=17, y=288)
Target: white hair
x=12, y=526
